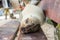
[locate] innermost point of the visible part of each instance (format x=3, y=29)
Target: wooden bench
x=8, y=31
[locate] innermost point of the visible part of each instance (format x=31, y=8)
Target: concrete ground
x=4, y=21
x=48, y=30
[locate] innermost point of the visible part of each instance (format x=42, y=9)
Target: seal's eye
x=29, y=21
x=23, y=29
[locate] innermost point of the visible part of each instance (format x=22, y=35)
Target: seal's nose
x=23, y=29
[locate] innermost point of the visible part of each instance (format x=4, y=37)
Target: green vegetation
x=58, y=31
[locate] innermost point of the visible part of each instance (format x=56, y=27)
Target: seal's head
x=30, y=25
x=32, y=18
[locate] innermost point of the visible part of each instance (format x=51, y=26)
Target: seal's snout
x=30, y=28
x=23, y=29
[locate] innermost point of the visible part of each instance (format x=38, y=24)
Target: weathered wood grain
x=8, y=30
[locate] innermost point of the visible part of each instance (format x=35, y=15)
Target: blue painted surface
x=1, y=12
